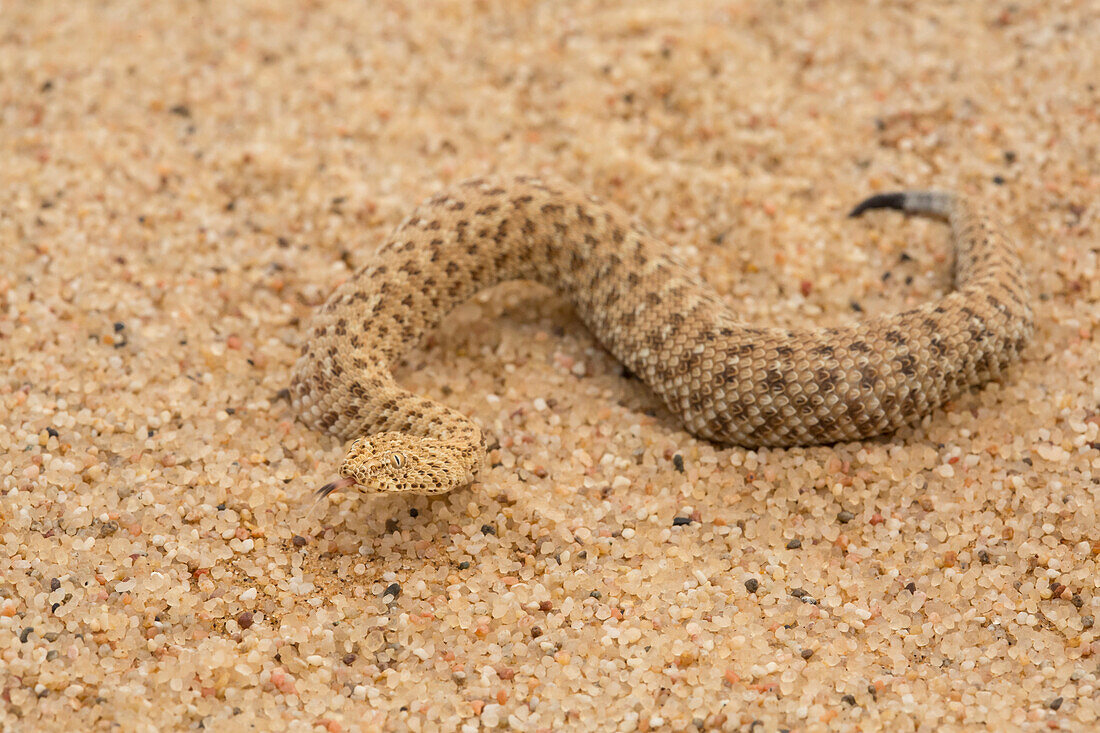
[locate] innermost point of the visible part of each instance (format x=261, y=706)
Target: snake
x=728, y=381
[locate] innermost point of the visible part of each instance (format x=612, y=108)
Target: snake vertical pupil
x=398, y=460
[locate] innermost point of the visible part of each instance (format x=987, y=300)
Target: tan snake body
x=727, y=381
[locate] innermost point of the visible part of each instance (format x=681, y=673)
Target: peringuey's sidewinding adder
x=728, y=381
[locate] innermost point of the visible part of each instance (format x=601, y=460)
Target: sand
x=183, y=182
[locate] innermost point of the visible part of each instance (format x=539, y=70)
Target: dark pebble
x=848, y=699
x=299, y=541
x=983, y=556
x=349, y=659
x=1010, y=156
x=752, y=584
x=1087, y=622
x=1055, y=703
x=536, y=632
x=414, y=513
x=181, y=110
x=1077, y=601
x=393, y=589
x=678, y=462
x=999, y=180
x=52, y=432
x=52, y=655
x=845, y=516
x=464, y=565
x=680, y=521
x=26, y=634
x=488, y=529
x=119, y=325
x=595, y=594
x=55, y=583
x=911, y=587
x=391, y=525
x=856, y=307
x=806, y=653
x=245, y=620
x=221, y=507
x=794, y=544
x=798, y=592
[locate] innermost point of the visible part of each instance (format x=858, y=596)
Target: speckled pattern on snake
x=728, y=381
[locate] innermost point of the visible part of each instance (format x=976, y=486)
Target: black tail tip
x=880, y=201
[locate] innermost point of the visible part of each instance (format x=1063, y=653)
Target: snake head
x=397, y=463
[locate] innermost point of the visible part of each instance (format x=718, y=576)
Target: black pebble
x=488, y=529
x=752, y=584
x=856, y=307
x=798, y=593
x=414, y=513
x=391, y=525
x=26, y=634
x=55, y=583
x=1055, y=703
x=845, y=516
x=678, y=462
x=393, y=589
x=595, y=594
x=680, y=521
x=794, y=544
x=119, y=325
x=51, y=432
x=911, y=587
x=464, y=565
x=999, y=180
x=983, y=556
x=806, y=653
x=298, y=540
x=221, y=507
x=848, y=699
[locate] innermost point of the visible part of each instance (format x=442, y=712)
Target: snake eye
x=397, y=459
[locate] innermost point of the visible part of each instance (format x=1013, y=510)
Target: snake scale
x=727, y=381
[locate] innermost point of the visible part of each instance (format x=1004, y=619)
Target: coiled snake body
x=727, y=381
